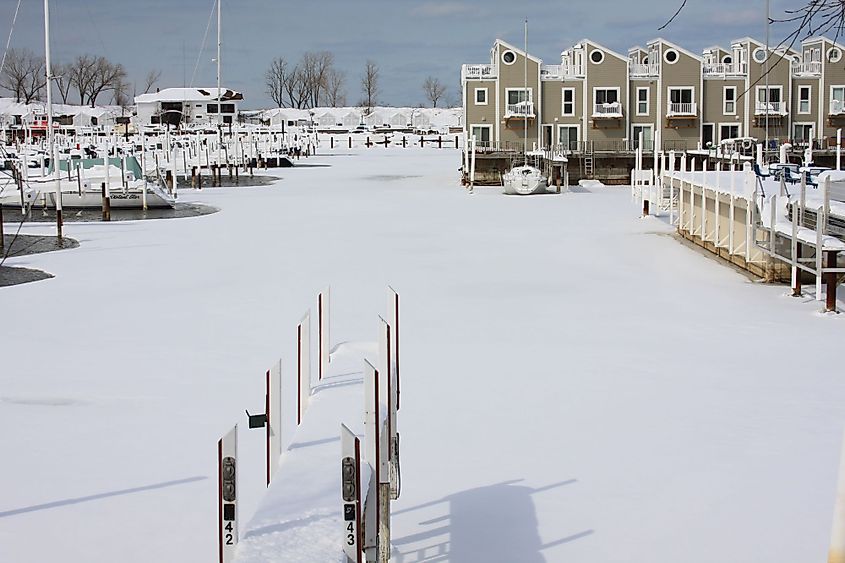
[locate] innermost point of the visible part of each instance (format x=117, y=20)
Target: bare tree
x=62, y=80
x=107, y=76
x=370, y=86
x=24, y=75
x=81, y=73
x=151, y=80
x=335, y=96
x=316, y=68
x=275, y=80
x=434, y=90
x=120, y=93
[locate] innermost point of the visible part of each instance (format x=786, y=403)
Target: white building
x=188, y=106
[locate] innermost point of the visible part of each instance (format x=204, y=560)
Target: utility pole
x=768, y=67
x=219, y=93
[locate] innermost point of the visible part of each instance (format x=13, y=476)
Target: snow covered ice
x=576, y=385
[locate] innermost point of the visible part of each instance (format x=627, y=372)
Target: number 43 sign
x=351, y=494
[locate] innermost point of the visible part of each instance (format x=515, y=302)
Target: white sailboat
x=524, y=179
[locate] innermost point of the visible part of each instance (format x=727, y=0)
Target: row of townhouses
x=598, y=99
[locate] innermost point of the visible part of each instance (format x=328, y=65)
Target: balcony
x=722, y=70
x=812, y=68
x=644, y=71
x=478, y=72
x=561, y=72
x=607, y=111
x=837, y=107
x=682, y=109
x=524, y=110
x=771, y=108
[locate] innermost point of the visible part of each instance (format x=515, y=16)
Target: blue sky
x=409, y=39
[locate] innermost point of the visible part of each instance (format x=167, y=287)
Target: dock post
x=168, y=180
x=439, y=142
x=331, y=141
x=350, y=142
x=645, y=207
x=830, y=281
x=106, y=203
x=404, y=142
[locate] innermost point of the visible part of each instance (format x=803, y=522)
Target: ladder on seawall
x=588, y=160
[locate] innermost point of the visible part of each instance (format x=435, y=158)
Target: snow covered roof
x=188, y=95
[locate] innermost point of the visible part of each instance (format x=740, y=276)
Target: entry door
x=568, y=137
x=482, y=134
x=648, y=137
x=803, y=132
x=548, y=136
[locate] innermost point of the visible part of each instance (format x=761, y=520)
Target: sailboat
x=524, y=179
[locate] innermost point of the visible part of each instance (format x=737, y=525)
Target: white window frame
x=647, y=101
x=618, y=93
x=809, y=89
x=833, y=87
x=728, y=124
x=530, y=94
x=570, y=126
x=671, y=88
x=725, y=100
x=809, y=124
x=770, y=88
x=636, y=138
x=484, y=103
x=487, y=126
x=563, y=102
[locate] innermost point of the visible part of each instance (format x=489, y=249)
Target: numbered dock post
x=351, y=494
x=227, y=500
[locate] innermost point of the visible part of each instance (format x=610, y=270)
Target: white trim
x=487, y=126
x=666, y=58
x=729, y=124
x=803, y=124
x=809, y=88
x=506, y=51
x=725, y=100
x=520, y=89
x=778, y=87
x=475, y=97
x=647, y=100
x=590, y=56
x=635, y=138
x=617, y=88
x=570, y=126
x=759, y=50
x=563, y=102
x=833, y=55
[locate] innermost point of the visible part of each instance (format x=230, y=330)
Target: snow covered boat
x=81, y=188
x=523, y=180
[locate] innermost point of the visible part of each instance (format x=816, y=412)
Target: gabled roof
x=822, y=38
x=189, y=95
x=605, y=49
x=517, y=50
x=676, y=47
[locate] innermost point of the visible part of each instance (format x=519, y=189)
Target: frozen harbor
x=577, y=386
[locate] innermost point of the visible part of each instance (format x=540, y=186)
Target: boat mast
x=219, y=93
x=525, y=93
x=57, y=174
x=768, y=93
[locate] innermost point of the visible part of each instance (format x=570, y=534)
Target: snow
x=577, y=385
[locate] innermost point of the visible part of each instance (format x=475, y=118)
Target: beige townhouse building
x=597, y=99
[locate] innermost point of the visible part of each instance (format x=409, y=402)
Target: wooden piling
x=645, y=208
x=404, y=142
x=439, y=141
x=168, y=180
x=331, y=142
x=106, y=203
x=830, y=281
x=350, y=142
x=193, y=176
x=796, y=289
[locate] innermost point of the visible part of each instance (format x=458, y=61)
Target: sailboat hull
x=523, y=180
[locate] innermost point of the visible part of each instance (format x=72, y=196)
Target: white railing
x=613, y=109
x=558, y=72
x=522, y=109
x=682, y=109
x=837, y=107
x=812, y=68
x=725, y=69
x=639, y=70
x=479, y=71
x=772, y=108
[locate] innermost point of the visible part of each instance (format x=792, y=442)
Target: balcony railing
x=610, y=110
x=771, y=108
x=479, y=71
x=522, y=109
x=560, y=72
x=812, y=68
x=837, y=107
x=725, y=69
x=641, y=71
x=682, y=110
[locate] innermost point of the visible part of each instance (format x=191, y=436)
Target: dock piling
x=106, y=203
